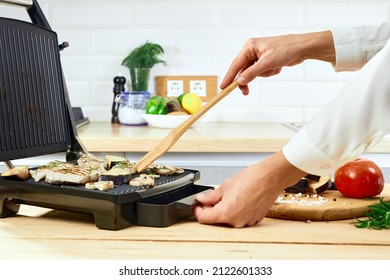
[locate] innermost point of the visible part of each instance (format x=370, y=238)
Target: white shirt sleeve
x=357, y=45
x=355, y=120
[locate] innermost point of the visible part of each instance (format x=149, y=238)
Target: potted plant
x=140, y=61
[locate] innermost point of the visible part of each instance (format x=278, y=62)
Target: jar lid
x=140, y=94
x=126, y=96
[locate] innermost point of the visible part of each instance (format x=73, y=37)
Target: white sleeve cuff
x=348, y=49
x=357, y=45
x=301, y=153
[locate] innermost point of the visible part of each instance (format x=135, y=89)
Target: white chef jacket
x=359, y=116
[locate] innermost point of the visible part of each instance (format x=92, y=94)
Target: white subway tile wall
x=200, y=37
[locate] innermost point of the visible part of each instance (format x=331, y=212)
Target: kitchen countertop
x=39, y=233
x=205, y=137
x=212, y=137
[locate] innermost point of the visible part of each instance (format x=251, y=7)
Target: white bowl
x=165, y=121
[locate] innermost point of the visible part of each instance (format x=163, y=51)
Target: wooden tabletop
x=213, y=137
x=40, y=233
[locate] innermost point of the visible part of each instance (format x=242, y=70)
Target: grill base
x=168, y=202
x=107, y=215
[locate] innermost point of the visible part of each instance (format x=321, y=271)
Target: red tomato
x=359, y=179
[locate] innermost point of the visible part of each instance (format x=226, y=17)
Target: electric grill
x=36, y=119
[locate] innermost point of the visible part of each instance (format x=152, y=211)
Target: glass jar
x=139, y=79
x=131, y=106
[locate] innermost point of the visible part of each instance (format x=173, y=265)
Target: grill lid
x=35, y=110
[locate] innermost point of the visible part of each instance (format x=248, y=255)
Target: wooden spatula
x=176, y=133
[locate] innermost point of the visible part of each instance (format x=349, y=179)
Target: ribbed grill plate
x=33, y=110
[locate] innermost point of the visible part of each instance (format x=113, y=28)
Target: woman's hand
x=267, y=56
x=245, y=198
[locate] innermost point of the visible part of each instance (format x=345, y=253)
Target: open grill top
x=33, y=110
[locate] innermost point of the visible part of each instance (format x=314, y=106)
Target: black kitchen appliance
x=36, y=119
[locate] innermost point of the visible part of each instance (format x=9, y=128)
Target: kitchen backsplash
x=200, y=37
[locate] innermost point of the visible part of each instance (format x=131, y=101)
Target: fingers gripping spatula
x=176, y=133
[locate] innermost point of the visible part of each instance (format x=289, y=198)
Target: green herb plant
x=378, y=216
x=140, y=61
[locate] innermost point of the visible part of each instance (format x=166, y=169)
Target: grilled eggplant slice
x=20, y=172
x=300, y=187
x=306, y=186
x=319, y=187
x=120, y=173
x=119, y=176
x=165, y=170
x=144, y=180
x=113, y=160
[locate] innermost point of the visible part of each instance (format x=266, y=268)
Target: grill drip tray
x=161, y=206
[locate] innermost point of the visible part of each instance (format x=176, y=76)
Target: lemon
x=191, y=102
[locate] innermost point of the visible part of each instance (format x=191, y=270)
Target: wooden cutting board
x=334, y=207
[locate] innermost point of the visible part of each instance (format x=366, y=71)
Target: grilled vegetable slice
x=319, y=187
x=101, y=186
x=143, y=180
x=21, y=172
x=75, y=174
x=125, y=164
x=165, y=170
x=119, y=176
x=300, y=187
x=309, y=186
x=113, y=160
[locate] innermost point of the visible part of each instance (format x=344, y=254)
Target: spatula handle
x=179, y=131
x=176, y=133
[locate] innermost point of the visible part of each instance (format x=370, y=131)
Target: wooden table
x=39, y=233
